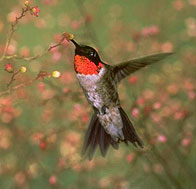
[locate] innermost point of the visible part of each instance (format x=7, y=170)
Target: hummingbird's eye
x=92, y=54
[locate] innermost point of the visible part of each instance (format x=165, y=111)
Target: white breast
x=89, y=84
x=88, y=81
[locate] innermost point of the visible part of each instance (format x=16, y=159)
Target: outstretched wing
x=124, y=69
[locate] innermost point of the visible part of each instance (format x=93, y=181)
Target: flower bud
x=68, y=36
x=9, y=68
x=35, y=11
x=56, y=74
x=26, y=3
x=23, y=69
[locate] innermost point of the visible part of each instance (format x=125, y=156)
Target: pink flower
x=35, y=11
x=56, y=56
x=140, y=101
x=156, y=118
x=11, y=49
x=20, y=178
x=191, y=95
x=24, y=52
x=135, y=112
x=149, y=31
x=52, y=180
x=178, y=5
x=9, y=68
x=41, y=86
x=167, y=47
x=43, y=145
x=186, y=142
x=85, y=118
x=180, y=115
x=37, y=137
x=130, y=157
x=162, y=138
x=157, y=105
x=133, y=79
x=66, y=90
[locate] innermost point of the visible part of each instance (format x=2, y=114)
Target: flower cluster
x=34, y=10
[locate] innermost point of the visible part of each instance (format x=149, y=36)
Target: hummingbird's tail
x=96, y=135
x=129, y=131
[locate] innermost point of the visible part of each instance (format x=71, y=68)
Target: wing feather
x=124, y=69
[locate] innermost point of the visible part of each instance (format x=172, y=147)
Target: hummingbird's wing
x=124, y=69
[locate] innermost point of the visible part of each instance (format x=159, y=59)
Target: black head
x=87, y=51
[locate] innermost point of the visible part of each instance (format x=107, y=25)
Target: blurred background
x=43, y=120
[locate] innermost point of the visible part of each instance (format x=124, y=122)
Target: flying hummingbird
x=109, y=124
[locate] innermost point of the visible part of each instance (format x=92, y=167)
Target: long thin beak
x=74, y=42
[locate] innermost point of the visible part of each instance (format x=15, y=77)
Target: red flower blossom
x=35, y=11
x=9, y=68
x=43, y=145
x=52, y=180
x=180, y=115
x=157, y=105
x=135, y=112
x=130, y=157
x=162, y=138
x=85, y=118
x=186, y=141
x=150, y=31
x=133, y=79
x=140, y=101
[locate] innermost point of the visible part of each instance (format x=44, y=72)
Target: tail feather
x=89, y=132
x=96, y=135
x=128, y=130
x=103, y=142
x=114, y=143
x=94, y=141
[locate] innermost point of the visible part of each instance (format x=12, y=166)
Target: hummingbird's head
x=86, y=60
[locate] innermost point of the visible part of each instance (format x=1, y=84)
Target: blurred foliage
x=42, y=122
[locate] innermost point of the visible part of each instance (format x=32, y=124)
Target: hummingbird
x=109, y=125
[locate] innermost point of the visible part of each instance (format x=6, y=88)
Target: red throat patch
x=84, y=66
